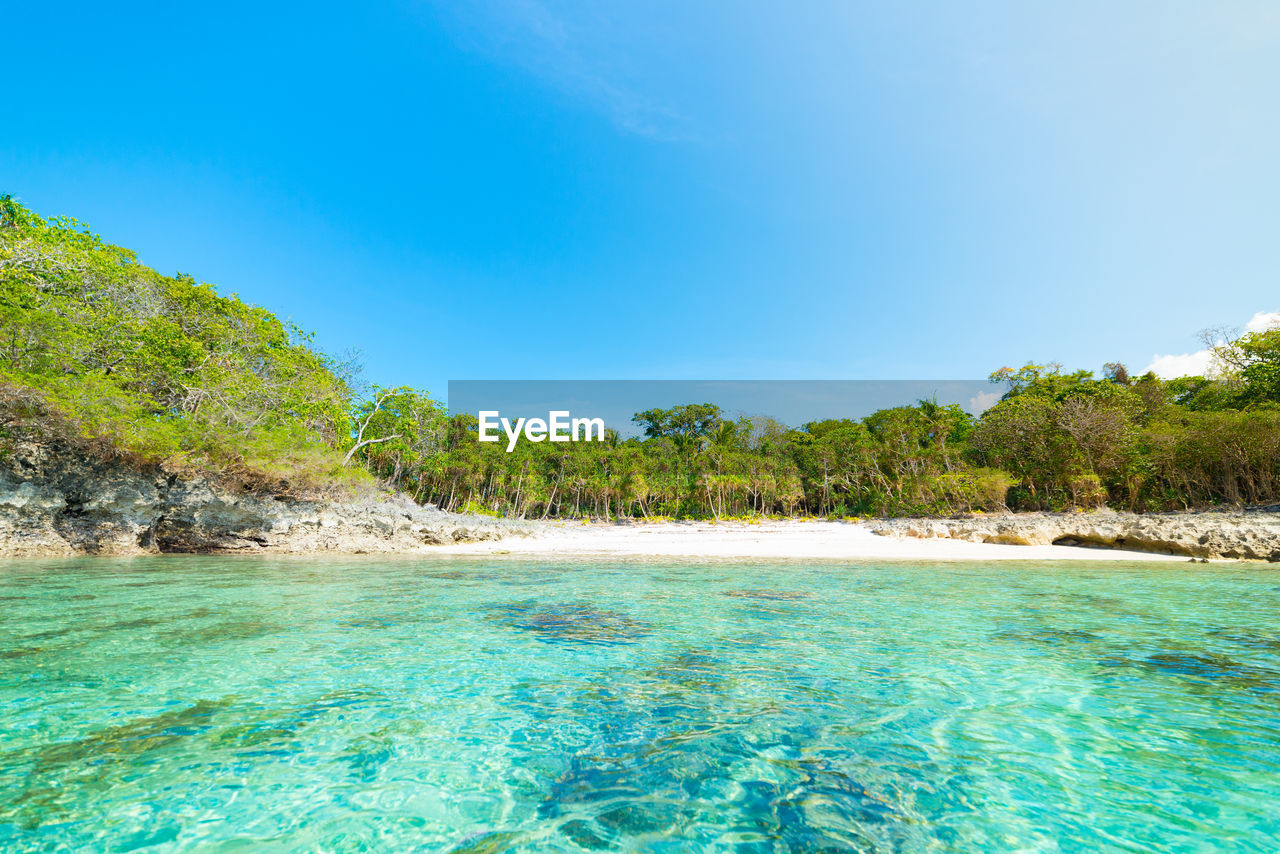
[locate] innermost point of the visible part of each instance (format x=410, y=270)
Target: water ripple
x=192, y=704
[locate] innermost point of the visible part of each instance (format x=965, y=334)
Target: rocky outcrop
x=1241, y=534
x=56, y=500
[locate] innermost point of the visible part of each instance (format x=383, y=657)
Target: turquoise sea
x=468, y=705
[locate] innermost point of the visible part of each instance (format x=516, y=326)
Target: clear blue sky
x=672, y=189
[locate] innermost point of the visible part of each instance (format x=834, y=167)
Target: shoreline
x=57, y=501
x=798, y=539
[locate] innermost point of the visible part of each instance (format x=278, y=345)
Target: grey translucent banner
x=790, y=402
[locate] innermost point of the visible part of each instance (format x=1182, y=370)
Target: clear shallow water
x=187, y=703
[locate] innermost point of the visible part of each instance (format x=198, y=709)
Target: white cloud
x=982, y=401
x=588, y=56
x=1200, y=363
x=1262, y=321
x=1197, y=364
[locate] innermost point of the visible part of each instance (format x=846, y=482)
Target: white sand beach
x=770, y=539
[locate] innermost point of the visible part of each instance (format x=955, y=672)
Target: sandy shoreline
x=772, y=539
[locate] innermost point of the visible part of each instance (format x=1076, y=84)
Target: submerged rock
x=767, y=595
x=573, y=623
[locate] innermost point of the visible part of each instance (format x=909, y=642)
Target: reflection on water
x=188, y=703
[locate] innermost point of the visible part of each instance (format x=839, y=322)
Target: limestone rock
x=55, y=500
x=1251, y=534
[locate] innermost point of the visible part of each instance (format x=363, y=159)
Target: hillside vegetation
x=159, y=367
x=96, y=346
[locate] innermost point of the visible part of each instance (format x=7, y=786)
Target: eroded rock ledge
x=57, y=501
x=1252, y=534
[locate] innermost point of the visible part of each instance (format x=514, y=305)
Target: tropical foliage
x=162, y=366
x=166, y=368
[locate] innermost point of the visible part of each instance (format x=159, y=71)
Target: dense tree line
x=1055, y=441
x=165, y=367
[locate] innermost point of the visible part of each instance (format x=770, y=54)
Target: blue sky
x=675, y=190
